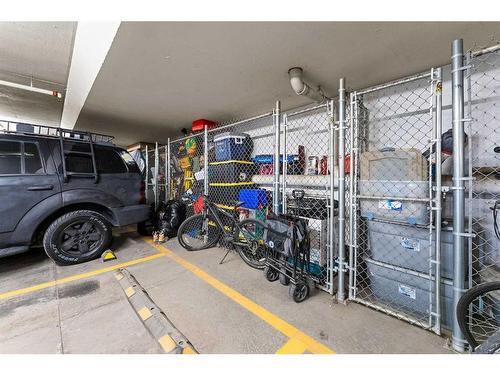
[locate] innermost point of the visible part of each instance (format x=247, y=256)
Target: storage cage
x=401, y=187
x=259, y=161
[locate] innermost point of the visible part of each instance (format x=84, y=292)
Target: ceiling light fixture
x=56, y=94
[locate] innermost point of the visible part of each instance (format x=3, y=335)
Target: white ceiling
x=159, y=76
x=41, y=50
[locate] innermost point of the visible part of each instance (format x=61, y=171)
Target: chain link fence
x=310, y=165
x=392, y=239
x=399, y=180
x=482, y=159
x=240, y=167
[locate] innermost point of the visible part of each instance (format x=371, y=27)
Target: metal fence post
x=155, y=186
x=284, y=165
x=457, y=78
x=167, y=172
x=341, y=187
x=438, y=195
x=331, y=164
x=276, y=170
x=205, y=160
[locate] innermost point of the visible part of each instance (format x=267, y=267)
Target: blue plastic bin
x=233, y=146
x=253, y=198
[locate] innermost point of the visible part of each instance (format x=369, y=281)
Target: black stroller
x=287, y=248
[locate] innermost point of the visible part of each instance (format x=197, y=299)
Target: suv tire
x=77, y=237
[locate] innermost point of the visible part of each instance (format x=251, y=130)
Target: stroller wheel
x=299, y=292
x=271, y=274
x=284, y=280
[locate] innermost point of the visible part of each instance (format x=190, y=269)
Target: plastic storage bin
x=385, y=204
x=409, y=293
x=231, y=171
x=393, y=164
x=227, y=193
x=408, y=247
x=253, y=198
x=233, y=146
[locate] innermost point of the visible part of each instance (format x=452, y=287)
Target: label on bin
x=407, y=291
x=389, y=204
x=410, y=244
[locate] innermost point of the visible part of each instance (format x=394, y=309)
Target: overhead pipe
x=302, y=88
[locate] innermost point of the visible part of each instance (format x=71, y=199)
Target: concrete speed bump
x=155, y=320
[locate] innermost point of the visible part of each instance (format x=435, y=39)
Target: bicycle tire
x=192, y=224
x=255, y=258
x=463, y=308
x=490, y=346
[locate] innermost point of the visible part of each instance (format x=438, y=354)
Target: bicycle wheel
x=478, y=315
x=198, y=233
x=251, y=245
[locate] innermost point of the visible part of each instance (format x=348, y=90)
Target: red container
x=266, y=169
x=199, y=125
x=198, y=205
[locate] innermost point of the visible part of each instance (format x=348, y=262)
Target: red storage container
x=199, y=125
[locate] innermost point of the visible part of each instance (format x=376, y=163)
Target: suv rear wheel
x=77, y=237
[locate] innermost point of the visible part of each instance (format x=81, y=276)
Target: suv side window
x=20, y=158
x=32, y=161
x=109, y=161
x=10, y=157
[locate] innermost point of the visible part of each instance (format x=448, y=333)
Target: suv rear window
x=14, y=161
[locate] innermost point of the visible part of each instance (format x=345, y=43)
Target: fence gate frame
x=357, y=143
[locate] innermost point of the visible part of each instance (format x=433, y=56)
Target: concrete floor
x=92, y=315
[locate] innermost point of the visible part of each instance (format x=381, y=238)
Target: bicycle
x=214, y=226
x=478, y=315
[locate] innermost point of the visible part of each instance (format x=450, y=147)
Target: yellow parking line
x=80, y=276
x=292, y=346
x=273, y=320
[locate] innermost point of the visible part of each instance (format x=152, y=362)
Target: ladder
x=91, y=153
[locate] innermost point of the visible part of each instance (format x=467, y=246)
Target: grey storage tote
x=408, y=246
x=380, y=200
x=409, y=293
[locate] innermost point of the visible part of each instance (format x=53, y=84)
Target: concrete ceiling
x=159, y=76
x=41, y=50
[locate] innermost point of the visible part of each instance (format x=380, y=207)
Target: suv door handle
x=40, y=187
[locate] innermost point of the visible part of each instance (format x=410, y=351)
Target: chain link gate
x=482, y=166
x=310, y=165
x=392, y=200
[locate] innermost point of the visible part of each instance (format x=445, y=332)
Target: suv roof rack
x=11, y=127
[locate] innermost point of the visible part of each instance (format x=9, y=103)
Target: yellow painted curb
x=144, y=313
x=129, y=292
x=167, y=343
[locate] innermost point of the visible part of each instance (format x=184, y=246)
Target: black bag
x=287, y=234
x=170, y=215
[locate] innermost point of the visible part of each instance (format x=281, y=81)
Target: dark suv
x=65, y=190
